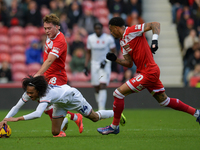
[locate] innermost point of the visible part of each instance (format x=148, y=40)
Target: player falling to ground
x=98, y=45
x=135, y=49
x=63, y=98
x=53, y=66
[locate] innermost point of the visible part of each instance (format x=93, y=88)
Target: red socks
x=72, y=115
x=118, y=107
x=179, y=105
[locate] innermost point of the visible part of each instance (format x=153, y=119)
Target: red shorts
x=151, y=82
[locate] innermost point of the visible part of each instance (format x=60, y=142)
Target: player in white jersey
x=63, y=98
x=98, y=44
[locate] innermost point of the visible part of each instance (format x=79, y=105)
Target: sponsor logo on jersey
x=56, y=50
x=127, y=48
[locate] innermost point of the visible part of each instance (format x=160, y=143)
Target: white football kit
x=99, y=47
x=63, y=98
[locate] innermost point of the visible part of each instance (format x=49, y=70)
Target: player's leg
x=96, y=94
x=78, y=119
x=102, y=96
x=56, y=125
x=176, y=104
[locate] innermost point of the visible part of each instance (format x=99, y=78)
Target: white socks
x=103, y=114
x=102, y=99
x=65, y=120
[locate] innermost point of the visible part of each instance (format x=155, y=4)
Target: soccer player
x=63, y=97
x=53, y=66
x=98, y=45
x=135, y=49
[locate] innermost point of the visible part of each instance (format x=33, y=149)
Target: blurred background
x=22, y=37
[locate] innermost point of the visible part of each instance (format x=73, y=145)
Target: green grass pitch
x=146, y=129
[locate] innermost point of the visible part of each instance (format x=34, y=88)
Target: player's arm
x=87, y=59
x=51, y=58
x=36, y=114
x=155, y=27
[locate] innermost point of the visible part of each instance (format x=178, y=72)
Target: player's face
x=32, y=92
x=98, y=30
x=114, y=31
x=50, y=29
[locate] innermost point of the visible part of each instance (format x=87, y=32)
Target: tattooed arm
x=126, y=62
x=154, y=26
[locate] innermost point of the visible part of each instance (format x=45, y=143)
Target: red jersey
x=135, y=44
x=58, y=47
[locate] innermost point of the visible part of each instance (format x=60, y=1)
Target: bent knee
x=55, y=132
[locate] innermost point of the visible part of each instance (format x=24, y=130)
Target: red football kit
x=135, y=44
x=56, y=74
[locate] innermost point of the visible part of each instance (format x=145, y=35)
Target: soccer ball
x=5, y=131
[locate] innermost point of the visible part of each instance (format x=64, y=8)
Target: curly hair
x=52, y=18
x=117, y=21
x=39, y=82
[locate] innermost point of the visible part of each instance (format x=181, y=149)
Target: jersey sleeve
x=88, y=45
x=37, y=113
x=58, y=48
x=111, y=42
x=136, y=29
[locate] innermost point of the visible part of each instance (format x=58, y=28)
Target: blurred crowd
x=22, y=36
x=186, y=17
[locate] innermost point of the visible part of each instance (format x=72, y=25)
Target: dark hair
x=39, y=82
x=98, y=24
x=117, y=21
x=52, y=18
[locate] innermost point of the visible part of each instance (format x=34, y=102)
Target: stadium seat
x=103, y=20
x=87, y=4
x=68, y=59
x=80, y=76
x=18, y=58
x=5, y=57
x=42, y=31
x=101, y=12
x=4, y=39
x=33, y=68
x=17, y=40
x=30, y=38
x=4, y=30
x=113, y=76
x=100, y=4
x=32, y=30
x=18, y=76
x=18, y=49
x=16, y=30
x=67, y=67
x=19, y=67
x=4, y=48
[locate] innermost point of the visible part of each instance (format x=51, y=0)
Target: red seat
x=33, y=68
x=68, y=59
x=16, y=30
x=4, y=48
x=101, y=12
x=18, y=49
x=18, y=58
x=32, y=30
x=104, y=21
x=67, y=67
x=19, y=67
x=4, y=39
x=17, y=40
x=30, y=38
x=42, y=31
x=18, y=76
x=87, y=4
x=5, y=57
x=80, y=76
x=113, y=76
x=100, y=4
x=4, y=30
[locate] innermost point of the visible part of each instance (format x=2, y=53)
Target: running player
x=135, y=48
x=63, y=97
x=98, y=45
x=53, y=66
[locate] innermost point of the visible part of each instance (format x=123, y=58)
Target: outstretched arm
x=154, y=26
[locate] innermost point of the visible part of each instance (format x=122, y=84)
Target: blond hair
x=52, y=18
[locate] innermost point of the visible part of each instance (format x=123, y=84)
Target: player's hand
x=85, y=70
x=111, y=56
x=2, y=123
x=103, y=63
x=154, y=46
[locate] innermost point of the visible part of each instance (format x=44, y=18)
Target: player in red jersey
x=53, y=66
x=135, y=48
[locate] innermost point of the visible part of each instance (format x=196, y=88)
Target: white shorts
x=78, y=104
x=99, y=75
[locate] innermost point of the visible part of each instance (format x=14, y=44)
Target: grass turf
x=152, y=129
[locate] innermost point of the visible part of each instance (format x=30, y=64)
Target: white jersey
x=99, y=46
x=64, y=97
